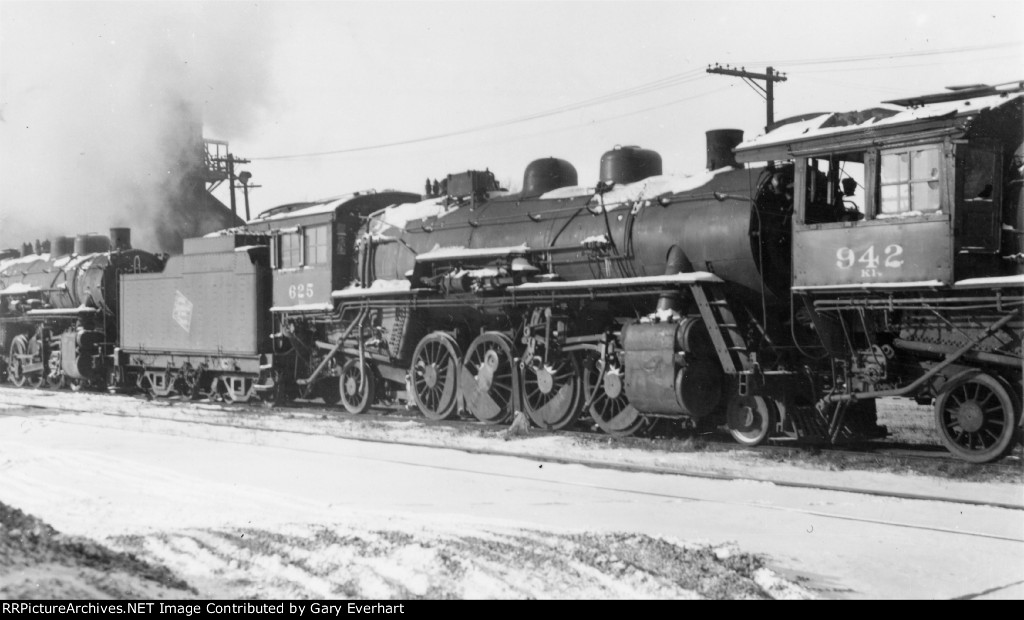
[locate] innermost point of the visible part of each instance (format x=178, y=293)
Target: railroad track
x=255, y=416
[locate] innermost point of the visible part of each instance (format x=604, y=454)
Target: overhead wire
x=643, y=89
x=660, y=84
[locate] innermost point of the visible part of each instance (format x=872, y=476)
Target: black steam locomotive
x=835, y=260
x=59, y=309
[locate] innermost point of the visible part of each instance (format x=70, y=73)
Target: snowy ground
x=348, y=551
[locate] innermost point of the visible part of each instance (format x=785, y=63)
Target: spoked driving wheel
x=36, y=379
x=357, y=385
x=25, y=352
x=19, y=349
x=751, y=419
x=433, y=375
x=486, y=380
x=609, y=405
x=552, y=391
x=975, y=419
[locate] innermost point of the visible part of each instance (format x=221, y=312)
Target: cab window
x=909, y=181
x=317, y=245
x=834, y=188
x=290, y=250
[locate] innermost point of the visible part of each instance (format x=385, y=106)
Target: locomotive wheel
x=279, y=393
x=330, y=391
x=751, y=419
x=486, y=380
x=19, y=347
x=55, y=378
x=433, y=375
x=357, y=386
x=551, y=392
x=186, y=381
x=36, y=379
x=975, y=419
x=610, y=407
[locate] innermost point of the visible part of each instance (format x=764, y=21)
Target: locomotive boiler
x=563, y=298
x=59, y=309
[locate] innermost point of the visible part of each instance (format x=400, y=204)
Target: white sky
x=290, y=78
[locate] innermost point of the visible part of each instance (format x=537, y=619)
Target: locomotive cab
x=313, y=245
x=890, y=199
x=907, y=231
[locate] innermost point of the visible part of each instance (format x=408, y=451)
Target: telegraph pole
x=767, y=92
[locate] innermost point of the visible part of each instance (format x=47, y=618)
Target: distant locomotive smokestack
x=721, y=142
x=120, y=239
x=61, y=246
x=91, y=244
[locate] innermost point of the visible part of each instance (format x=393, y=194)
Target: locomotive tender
x=836, y=259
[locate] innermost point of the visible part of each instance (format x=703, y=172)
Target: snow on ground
x=213, y=550
x=350, y=552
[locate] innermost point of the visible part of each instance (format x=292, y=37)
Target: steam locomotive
x=59, y=309
x=837, y=259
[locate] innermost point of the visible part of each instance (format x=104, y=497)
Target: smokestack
x=91, y=244
x=62, y=246
x=120, y=239
x=721, y=142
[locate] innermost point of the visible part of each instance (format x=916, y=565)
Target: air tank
x=627, y=164
x=544, y=175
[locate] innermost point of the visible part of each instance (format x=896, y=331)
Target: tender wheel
x=751, y=419
x=610, y=407
x=486, y=381
x=357, y=386
x=975, y=419
x=186, y=381
x=551, y=392
x=433, y=375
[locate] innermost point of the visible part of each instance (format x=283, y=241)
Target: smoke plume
x=102, y=109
